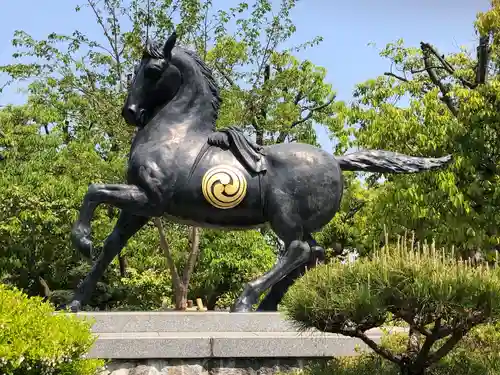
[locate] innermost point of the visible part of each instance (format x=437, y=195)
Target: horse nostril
x=132, y=110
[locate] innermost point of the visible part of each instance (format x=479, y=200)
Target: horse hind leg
x=297, y=252
x=278, y=290
x=126, y=226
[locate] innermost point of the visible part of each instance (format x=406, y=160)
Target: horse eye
x=153, y=72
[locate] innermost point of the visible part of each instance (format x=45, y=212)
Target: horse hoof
x=74, y=306
x=240, y=306
x=241, y=309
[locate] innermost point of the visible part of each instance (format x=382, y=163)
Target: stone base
x=212, y=335
x=240, y=366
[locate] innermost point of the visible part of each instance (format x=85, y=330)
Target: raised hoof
x=81, y=242
x=73, y=307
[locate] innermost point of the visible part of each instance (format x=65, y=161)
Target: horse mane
x=154, y=50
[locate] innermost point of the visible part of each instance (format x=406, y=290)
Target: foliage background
x=69, y=133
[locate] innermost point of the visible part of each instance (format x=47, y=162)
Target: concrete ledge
x=165, y=345
x=207, y=335
x=108, y=322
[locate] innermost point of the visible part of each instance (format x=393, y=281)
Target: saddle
x=250, y=154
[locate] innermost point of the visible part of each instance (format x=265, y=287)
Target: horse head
x=168, y=73
x=156, y=81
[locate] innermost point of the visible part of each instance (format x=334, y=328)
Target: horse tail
x=386, y=161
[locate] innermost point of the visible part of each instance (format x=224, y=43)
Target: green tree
x=41, y=179
x=439, y=298
x=432, y=104
x=77, y=85
x=228, y=260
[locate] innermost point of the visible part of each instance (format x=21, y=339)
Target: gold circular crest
x=224, y=186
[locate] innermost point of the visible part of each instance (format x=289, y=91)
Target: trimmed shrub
x=35, y=340
x=439, y=298
x=476, y=354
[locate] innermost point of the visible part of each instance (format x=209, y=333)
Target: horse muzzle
x=134, y=115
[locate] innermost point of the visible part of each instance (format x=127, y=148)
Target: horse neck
x=191, y=109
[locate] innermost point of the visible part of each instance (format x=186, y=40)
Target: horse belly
x=221, y=193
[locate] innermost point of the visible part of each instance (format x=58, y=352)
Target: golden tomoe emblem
x=224, y=186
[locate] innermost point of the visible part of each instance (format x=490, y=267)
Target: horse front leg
x=122, y=196
x=126, y=226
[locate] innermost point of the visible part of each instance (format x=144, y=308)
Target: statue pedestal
x=211, y=335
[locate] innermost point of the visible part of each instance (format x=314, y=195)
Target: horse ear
x=169, y=44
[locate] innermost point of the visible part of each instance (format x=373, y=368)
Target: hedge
x=35, y=340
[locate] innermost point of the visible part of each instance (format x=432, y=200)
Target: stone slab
x=211, y=335
x=108, y=322
x=190, y=345
x=149, y=346
x=286, y=346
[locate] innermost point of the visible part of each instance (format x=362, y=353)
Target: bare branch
x=390, y=74
x=414, y=71
x=100, y=21
x=176, y=280
x=224, y=74
x=267, y=52
x=426, y=50
x=446, y=65
x=284, y=134
x=193, y=255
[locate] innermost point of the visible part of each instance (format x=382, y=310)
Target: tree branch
x=193, y=255
x=458, y=333
x=354, y=210
x=282, y=136
x=483, y=57
x=390, y=74
x=100, y=21
x=445, y=64
x=426, y=50
x=429, y=341
x=373, y=345
x=447, y=346
x=176, y=280
x=298, y=97
x=415, y=71
x=226, y=77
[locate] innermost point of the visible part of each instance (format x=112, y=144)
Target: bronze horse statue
x=181, y=168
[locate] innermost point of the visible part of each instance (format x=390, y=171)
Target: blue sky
x=347, y=28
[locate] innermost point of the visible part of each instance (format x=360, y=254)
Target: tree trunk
x=180, y=284
x=122, y=260
x=181, y=297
